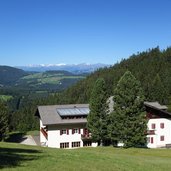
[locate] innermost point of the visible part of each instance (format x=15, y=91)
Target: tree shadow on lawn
x=12, y=157
x=16, y=137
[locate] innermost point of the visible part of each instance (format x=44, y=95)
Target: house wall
x=54, y=137
x=158, y=132
x=43, y=140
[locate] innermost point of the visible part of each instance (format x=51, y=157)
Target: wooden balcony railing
x=85, y=136
x=150, y=132
x=44, y=133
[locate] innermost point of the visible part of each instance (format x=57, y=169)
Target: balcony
x=150, y=132
x=85, y=136
x=44, y=132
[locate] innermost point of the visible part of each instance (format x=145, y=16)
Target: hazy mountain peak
x=74, y=68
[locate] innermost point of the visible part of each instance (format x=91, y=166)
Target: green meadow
x=48, y=78
x=5, y=97
x=21, y=157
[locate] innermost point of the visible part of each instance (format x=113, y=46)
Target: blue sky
x=81, y=31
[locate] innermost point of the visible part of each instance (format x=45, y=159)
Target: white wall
x=43, y=140
x=54, y=137
x=166, y=132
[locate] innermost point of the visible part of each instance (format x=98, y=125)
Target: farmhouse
x=64, y=126
x=159, y=125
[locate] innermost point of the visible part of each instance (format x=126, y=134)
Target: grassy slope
x=49, y=78
x=20, y=157
x=5, y=97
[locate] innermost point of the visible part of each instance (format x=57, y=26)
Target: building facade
x=64, y=126
x=159, y=125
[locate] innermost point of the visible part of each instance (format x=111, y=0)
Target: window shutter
x=60, y=132
x=153, y=126
x=79, y=130
x=162, y=125
x=152, y=140
x=67, y=131
x=161, y=138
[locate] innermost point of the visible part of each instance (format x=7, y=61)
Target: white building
x=64, y=126
x=159, y=125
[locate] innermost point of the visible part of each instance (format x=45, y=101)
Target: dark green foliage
x=3, y=120
x=97, y=119
x=144, y=66
x=128, y=123
x=24, y=119
x=158, y=92
x=8, y=75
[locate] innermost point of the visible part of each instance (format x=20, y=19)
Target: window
x=64, y=145
x=85, y=132
x=162, y=125
x=153, y=126
x=76, y=144
x=152, y=140
x=162, y=138
x=64, y=131
x=87, y=143
x=75, y=130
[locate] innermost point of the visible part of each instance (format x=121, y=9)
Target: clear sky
x=81, y=31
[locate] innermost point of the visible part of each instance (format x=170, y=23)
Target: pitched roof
x=156, y=105
x=51, y=115
x=161, y=109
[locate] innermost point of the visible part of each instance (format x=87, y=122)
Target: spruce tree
x=158, y=92
x=97, y=119
x=3, y=120
x=128, y=123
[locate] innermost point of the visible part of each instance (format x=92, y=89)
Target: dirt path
x=28, y=140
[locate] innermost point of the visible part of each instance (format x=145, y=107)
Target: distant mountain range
x=45, y=77
x=74, y=68
x=11, y=77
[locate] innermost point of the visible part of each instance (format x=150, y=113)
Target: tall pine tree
x=97, y=119
x=128, y=123
x=3, y=120
x=158, y=92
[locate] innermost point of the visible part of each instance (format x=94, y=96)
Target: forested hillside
x=152, y=68
x=9, y=75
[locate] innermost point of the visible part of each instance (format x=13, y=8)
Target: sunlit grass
x=5, y=97
x=84, y=159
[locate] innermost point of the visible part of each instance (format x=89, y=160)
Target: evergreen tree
x=3, y=120
x=158, y=91
x=128, y=123
x=97, y=119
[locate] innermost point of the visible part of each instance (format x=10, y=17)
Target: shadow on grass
x=13, y=157
x=16, y=137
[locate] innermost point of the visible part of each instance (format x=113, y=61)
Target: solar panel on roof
x=73, y=111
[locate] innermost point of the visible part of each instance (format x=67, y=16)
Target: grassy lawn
x=20, y=157
x=36, y=132
x=5, y=97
